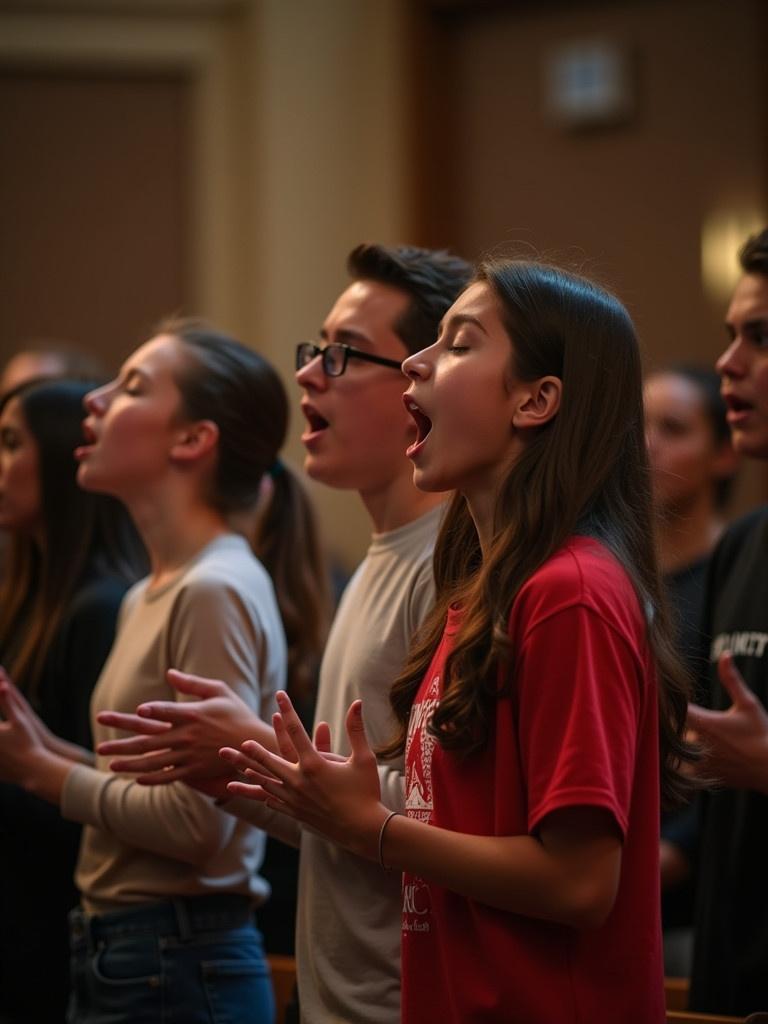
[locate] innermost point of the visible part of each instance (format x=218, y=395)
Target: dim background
x=220, y=158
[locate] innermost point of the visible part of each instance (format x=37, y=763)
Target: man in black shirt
x=730, y=973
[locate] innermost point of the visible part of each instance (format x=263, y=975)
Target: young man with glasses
x=357, y=431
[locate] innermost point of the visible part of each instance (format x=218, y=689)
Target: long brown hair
x=81, y=533
x=585, y=472
x=242, y=393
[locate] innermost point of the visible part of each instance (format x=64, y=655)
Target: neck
x=174, y=530
x=398, y=504
x=684, y=535
x=482, y=509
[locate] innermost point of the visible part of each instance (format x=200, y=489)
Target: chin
x=751, y=447
x=429, y=484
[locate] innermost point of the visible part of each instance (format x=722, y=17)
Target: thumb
x=196, y=686
x=358, y=741
x=733, y=683
x=7, y=708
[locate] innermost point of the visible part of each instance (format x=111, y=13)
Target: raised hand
x=338, y=797
x=181, y=739
x=735, y=741
x=26, y=756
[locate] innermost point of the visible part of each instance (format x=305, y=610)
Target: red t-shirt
x=579, y=727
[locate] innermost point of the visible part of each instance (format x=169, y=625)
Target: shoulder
x=748, y=534
x=226, y=567
x=225, y=586
x=583, y=573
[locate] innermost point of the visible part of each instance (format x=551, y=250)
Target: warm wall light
x=722, y=235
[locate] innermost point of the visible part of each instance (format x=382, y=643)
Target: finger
x=733, y=683
x=262, y=760
x=323, y=738
x=284, y=744
x=12, y=707
x=195, y=686
x=251, y=792
x=163, y=776
x=293, y=725
x=358, y=741
x=238, y=759
x=132, y=723
x=6, y=708
x=175, y=712
x=132, y=746
x=702, y=720
x=260, y=779
x=161, y=761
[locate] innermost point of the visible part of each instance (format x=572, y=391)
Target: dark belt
x=183, y=917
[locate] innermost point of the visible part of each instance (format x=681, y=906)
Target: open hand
x=338, y=797
x=181, y=739
x=735, y=742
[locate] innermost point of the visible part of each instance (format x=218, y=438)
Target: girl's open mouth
x=423, y=425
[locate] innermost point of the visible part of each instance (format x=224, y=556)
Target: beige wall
x=628, y=203
x=314, y=124
x=294, y=153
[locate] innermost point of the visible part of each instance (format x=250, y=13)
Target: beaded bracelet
x=384, y=824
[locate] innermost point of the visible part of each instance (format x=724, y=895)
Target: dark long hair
x=242, y=393
x=82, y=533
x=585, y=472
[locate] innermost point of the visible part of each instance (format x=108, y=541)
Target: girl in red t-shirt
x=536, y=698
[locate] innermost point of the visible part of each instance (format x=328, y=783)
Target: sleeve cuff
x=81, y=796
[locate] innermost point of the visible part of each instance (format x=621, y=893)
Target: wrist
x=46, y=776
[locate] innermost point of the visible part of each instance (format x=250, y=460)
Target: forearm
x=46, y=776
x=72, y=752
x=172, y=821
x=512, y=873
x=277, y=825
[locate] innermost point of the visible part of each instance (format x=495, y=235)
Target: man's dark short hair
x=432, y=278
x=753, y=257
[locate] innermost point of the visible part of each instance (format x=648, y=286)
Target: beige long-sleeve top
x=218, y=617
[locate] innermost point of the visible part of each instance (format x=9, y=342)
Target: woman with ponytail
x=184, y=437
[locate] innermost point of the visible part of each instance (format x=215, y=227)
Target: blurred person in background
x=70, y=558
x=48, y=359
x=692, y=466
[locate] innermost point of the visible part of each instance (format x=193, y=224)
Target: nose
x=732, y=362
x=96, y=402
x=417, y=366
x=312, y=376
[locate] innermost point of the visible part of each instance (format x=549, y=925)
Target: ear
x=538, y=401
x=194, y=441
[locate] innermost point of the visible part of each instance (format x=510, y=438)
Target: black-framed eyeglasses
x=336, y=356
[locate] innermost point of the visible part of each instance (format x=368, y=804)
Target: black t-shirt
x=685, y=588
x=730, y=974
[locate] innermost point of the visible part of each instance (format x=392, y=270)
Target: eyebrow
x=460, y=319
x=346, y=336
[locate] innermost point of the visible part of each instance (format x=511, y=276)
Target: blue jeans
x=198, y=960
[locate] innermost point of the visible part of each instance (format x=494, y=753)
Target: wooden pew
x=283, y=970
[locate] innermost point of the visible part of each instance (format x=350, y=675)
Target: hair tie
x=277, y=468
